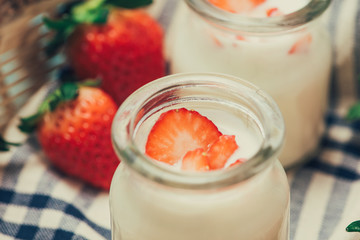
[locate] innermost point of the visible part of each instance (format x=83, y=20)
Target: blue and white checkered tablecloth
x=38, y=202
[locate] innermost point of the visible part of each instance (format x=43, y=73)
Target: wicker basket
x=24, y=68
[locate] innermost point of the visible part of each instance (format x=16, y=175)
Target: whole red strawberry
x=125, y=53
x=73, y=127
x=123, y=47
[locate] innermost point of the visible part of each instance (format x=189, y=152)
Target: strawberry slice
x=223, y=4
x=239, y=161
x=220, y=151
x=272, y=12
x=302, y=45
x=236, y=6
x=239, y=37
x=257, y=2
x=195, y=160
x=178, y=131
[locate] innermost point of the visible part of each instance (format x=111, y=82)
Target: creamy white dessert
x=293, y=67
x=254, y=209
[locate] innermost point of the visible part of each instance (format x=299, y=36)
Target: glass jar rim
x=287, y=22
x=126, y=148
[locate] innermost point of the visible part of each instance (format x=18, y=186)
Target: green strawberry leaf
x=54, y=102
x=88, y=5
x=129, y=4
x=354, y=112
x=86, y=14
x=59, y=25
x=353, y=227
x=67, y=91
x=29, y=124
x=99, y=16
x=5, y=145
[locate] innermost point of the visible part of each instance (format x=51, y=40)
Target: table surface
x=38, y=202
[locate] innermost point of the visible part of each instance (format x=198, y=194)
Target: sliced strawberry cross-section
x=178, y=131
x=236, y=6
x=257, y=2
x=238, y=161
x=195, y=160
x=223, y=4
x=220, y=151
x=272, y=12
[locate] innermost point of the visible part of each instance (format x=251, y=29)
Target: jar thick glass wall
x=151, y=201
x=288, y=56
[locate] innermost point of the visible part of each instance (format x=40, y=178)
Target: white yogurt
x=296, y=77
x=255, y=209
x=156, y=201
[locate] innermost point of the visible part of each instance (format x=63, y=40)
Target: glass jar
x=288, y=56
x=152, y=201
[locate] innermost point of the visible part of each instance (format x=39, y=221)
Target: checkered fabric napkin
x=38, y=202
x=325, y=193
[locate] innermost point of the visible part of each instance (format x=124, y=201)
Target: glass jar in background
x=284, y=51
x=152, y=201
